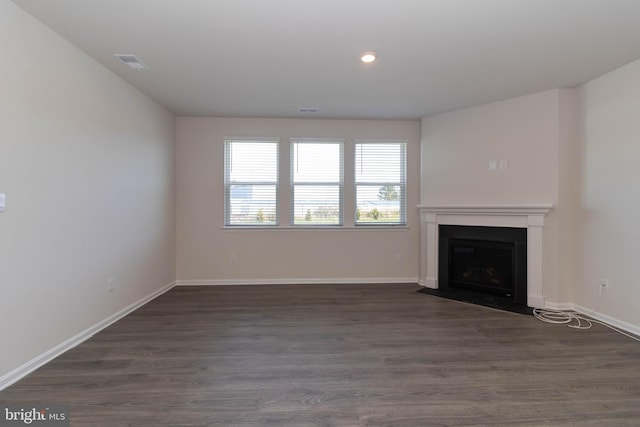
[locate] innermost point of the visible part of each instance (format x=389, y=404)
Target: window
x=381, y=182
x=251, y=182
x=316, y=182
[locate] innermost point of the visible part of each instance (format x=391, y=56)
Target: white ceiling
x=267, y=58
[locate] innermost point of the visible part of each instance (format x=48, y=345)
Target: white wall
x=568, y=204
x=87, y=164
x=204, y=248
x=609, y=233
x=525, y=132
x=457, y=148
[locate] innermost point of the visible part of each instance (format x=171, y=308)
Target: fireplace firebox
x=487, y=265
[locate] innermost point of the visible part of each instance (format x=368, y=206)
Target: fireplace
x=484, y=265
x=527, y=217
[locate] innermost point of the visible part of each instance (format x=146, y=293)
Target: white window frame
x=341, y=143
x=227, y=181
x=402, y=184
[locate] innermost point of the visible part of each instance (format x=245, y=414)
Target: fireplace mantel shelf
x=529, y=216
x=538, y=209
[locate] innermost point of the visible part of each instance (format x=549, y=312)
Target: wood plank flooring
x=344, y=355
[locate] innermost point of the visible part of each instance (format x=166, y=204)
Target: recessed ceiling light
x=368, y=56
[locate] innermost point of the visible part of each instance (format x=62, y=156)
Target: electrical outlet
x=110, y=287
x=397, y=258
x=604, y=284
x=233, y=258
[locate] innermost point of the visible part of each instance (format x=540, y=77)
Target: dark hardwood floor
x=347, y=355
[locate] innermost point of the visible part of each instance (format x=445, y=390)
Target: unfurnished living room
x=319, y=213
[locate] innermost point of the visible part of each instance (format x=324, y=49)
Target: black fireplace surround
x=483, y=265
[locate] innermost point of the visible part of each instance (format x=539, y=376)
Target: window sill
x=316, y=228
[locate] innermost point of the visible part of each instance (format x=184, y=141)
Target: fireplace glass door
x=481, y=265
x=487, y=261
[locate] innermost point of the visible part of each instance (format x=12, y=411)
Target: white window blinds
x=251, y=182
x=316, y=182
x=381, y=181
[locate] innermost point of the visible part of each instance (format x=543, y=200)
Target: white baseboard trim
x=535, y=301
x=559, y=305
x=27, y=368
x=314, y=281
x=617, y=323
x=431, y=283
x=620, y=324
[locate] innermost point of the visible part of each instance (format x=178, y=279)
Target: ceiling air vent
x=131, y=61
x=308, y=110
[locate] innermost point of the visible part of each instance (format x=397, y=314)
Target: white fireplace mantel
x=530, y=217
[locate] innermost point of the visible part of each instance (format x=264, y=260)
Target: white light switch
x=492, y=165
x=2, y=201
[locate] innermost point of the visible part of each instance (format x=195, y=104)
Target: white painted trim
x=251, y=139
x=620, y=324
x=563, y=306
x=530, y=217
x=534, y=209
x=316, y=281
x=534, y=301
x=617, y=323
x=380, y=141
x=27, y=368
x=383, y=227
x=317, y=140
